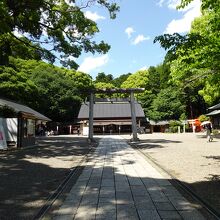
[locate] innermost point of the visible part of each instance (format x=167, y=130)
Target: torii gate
x=111, y=91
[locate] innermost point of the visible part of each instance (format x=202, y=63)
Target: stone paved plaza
x=118, y=183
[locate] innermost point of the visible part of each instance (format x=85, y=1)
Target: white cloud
x=184, y=24
x=93, y=16
x=160, y=3
x=70, y=2
x=143, y=68
x=91, y=63
x=17, y=33
x=172, y=4
x=140, y=38
x=72, y=58
x=129, y=31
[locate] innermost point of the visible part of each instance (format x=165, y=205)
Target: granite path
x=119, y=183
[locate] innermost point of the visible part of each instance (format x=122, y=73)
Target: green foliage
x=16, y=85
x=136, y=80
x=103, y=78
x=169, y=104
x=183, y=117
x=53, y=91
x=203, y=118
x=103, y=85
x=59, y=24
x=206, y=4
x=119, y=80
x=174, y=124
x=194, y=58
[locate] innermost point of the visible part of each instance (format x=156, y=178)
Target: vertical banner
x=3, y=143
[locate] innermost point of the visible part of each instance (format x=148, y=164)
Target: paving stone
x=169, y=214
x=107, y=182
x=127, y=217
x=139, y=190
x=63, y=217
x=106, y=216
x=124, y=195
x=104, y=208
x=85, y=212
x=170, y=191
x=145, y=205
x=148, y=214
x=191, y=215
x=106, y=199
x=135, y=181
x=142, y=198
x=181, y=203
x=164, y=206
x=66, y=209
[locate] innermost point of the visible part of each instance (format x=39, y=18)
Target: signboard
x=3, y=143
x=85, y=131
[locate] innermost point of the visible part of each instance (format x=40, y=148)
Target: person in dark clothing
x=208, y=128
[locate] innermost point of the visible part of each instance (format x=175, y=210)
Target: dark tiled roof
x=215, y=112
x=23, y=108
x=215, y=107
x=110, y=110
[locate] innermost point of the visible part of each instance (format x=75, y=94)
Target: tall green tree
x=103, y=78
x=104, y=85
x=195, y=56
x=18, y=86
x=53, y=91
x=119, y=80
x=59, y=24
x=169, y=104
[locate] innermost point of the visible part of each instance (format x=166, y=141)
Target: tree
x=17, y=86
x=136, y=80
x=194, y=58
x=169, y=104
x=103, y=85
x=119, y=80
x=102, y=77
x=53, y=91
x=59, y=24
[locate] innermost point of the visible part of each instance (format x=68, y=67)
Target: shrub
x=174, y=126
x=203, y=118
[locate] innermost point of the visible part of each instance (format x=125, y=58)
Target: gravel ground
x=190, y=159
x=30, y=176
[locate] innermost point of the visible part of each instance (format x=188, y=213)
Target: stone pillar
x=133, y=117
x=91, y=106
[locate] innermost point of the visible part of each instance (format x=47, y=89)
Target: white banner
x=3, y=143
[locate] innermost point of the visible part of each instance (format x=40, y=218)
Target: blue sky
x=132, y=33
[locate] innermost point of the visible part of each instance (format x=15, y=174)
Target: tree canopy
x=53, y=91
x=59, y=24
x=194, y=58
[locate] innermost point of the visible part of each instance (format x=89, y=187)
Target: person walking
x=208, y=128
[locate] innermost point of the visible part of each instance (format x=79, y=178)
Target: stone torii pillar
x=133, y=117
x=91, y=110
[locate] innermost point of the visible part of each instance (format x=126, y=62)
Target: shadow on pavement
x=25, y=184
x=153, y=143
